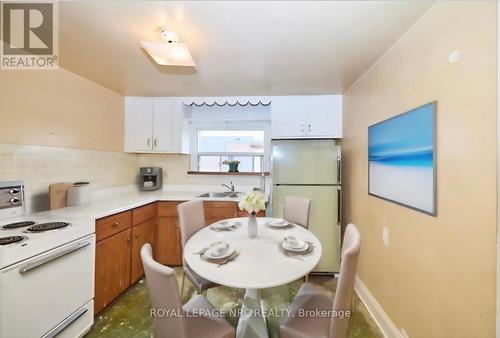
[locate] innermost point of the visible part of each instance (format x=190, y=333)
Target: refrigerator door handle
x=339, y=206
x=339, y=170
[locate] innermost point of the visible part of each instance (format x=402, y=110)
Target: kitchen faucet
x=229, y=187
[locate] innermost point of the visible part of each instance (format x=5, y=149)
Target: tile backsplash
x=40, y=166
x=175, y=168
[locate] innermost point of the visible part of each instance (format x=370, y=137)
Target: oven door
x=46, y=294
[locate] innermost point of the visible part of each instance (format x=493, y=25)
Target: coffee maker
x=150, y=178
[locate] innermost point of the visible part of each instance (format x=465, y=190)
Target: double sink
x=229, y=194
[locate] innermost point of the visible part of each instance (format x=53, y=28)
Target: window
x=219, y=142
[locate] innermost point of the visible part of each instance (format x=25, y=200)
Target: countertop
x=121, y=199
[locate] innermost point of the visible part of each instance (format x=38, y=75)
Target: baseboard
x=385, y=324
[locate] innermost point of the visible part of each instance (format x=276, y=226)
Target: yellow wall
x=437, y=277
x=79, y=112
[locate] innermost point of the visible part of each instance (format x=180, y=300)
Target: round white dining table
x=260, y=264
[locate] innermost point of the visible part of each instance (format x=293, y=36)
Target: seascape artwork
x=401, y=155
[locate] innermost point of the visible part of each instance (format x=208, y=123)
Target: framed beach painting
x=402, y=159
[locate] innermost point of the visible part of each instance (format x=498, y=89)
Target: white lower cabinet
x=155, y=125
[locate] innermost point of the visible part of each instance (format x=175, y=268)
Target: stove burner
x=18, y=225
x=11, y=239
x=47, y=226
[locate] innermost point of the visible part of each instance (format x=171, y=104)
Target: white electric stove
x=46, y=271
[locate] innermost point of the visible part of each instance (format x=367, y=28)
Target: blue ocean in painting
x=406, y=140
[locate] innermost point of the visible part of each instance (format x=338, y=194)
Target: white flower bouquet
x=253, y=202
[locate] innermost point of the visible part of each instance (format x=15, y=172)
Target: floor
x=129, y=315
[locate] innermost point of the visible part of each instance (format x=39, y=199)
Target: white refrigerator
x=312, y=169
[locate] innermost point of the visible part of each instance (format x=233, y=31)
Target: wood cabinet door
x=216, y=211
x=168, y=244
x=144, y=213
x=141, y=234
x=138, y=124
x=112, y=268
x=243, y=213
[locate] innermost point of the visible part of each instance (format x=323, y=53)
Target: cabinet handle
x=309, y=128
x=149, y=141
x=136, y=236
x=128, y=240
x=177, y=226
x=115, y=224
x=156, y=143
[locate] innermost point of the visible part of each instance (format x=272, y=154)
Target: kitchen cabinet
x=141, y=234
x=144, y=213
x=143, y=231
x=288, y=114
x=138, y=124
x=243, y=213
x=168, y=248
x=155, y=125
x=120, y=237
x=112, y=268
x=215, y=211
x=307, y=116
x=108, y=226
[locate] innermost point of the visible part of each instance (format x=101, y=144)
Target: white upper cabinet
x=288, y=115
x=154, y=125
x=308, y=116
x=324, y=116
x=160, y=124
x=138, y=124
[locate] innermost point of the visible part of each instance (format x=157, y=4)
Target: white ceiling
x=241, y=48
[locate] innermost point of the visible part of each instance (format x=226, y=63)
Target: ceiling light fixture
x=171, y=52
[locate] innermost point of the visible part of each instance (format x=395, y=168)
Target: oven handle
x=35, y=264
x=65, y=323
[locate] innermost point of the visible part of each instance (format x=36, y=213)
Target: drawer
x=113, y=224
x=167, y=209
x=143, y=214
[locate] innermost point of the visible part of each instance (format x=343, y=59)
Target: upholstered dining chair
x=296, y=210
x=311, y=297
x=191, y=220
x=194, y=319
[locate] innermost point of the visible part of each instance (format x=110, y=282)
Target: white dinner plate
x=224, y=225
x=212, y=252
x=303, y=246
x=279, y=224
